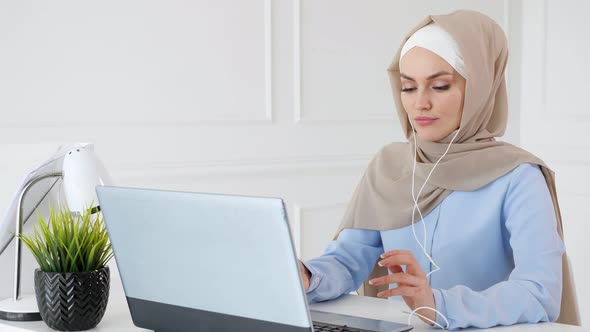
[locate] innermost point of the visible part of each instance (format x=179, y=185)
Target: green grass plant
x=68, y=242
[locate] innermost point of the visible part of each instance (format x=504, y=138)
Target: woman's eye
x=441, y=87
x=408, y=89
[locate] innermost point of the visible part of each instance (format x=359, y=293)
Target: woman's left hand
x=412, y=285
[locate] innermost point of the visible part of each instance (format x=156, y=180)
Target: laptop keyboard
x=323, y=327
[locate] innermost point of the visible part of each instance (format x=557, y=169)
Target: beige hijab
x=383, y=201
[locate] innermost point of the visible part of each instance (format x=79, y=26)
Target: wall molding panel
x=87, y=115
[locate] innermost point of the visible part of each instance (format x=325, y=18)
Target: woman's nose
x=423, y=101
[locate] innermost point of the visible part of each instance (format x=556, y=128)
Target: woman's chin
x=429, y=137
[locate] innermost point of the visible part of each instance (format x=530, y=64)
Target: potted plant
x=72, y=281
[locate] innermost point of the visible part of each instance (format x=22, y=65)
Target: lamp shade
x=82, y=172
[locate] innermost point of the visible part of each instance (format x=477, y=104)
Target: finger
x=412, y=265
x=395, y=252
x=395, y=269
x=399, y=291
x=399, y=278
x=398, y=260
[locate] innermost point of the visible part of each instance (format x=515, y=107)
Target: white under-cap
x=435, y=39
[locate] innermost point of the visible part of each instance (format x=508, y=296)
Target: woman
x=491, y=221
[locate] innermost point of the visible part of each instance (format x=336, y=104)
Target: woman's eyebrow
x=435, y=75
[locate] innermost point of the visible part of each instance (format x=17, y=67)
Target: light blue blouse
x=498, y=249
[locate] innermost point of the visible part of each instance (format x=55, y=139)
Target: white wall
x=554, y=116
x=268, y=97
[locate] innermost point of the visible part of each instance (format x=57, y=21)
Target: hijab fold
x=383, y=201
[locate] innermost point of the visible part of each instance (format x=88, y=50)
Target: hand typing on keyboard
x=412, y=284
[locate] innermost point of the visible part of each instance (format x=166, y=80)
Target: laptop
x=212, y=262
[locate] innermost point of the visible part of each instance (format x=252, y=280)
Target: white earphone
x=416, y=207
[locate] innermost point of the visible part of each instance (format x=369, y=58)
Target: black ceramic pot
x=72, y=301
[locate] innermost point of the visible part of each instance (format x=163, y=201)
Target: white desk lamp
x=81, y=172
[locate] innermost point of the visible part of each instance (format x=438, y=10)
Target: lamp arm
x=25, y=218
x=19, y=226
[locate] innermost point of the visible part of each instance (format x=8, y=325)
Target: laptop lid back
x=205, y=261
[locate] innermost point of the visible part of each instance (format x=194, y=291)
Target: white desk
x=392, y=310
x=118, y=319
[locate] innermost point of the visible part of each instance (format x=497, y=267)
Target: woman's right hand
x=305, y=275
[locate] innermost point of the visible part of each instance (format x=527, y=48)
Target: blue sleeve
x=344, y=265
x=532, y=292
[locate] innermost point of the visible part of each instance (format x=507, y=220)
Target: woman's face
x=432, y=93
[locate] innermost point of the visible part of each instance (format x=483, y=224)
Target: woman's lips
x=424, y=121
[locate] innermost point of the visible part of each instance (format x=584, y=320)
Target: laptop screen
x=229, y=255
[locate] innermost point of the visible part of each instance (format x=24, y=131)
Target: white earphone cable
x=416, y=207
x=414, y=312
x=415, y=197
